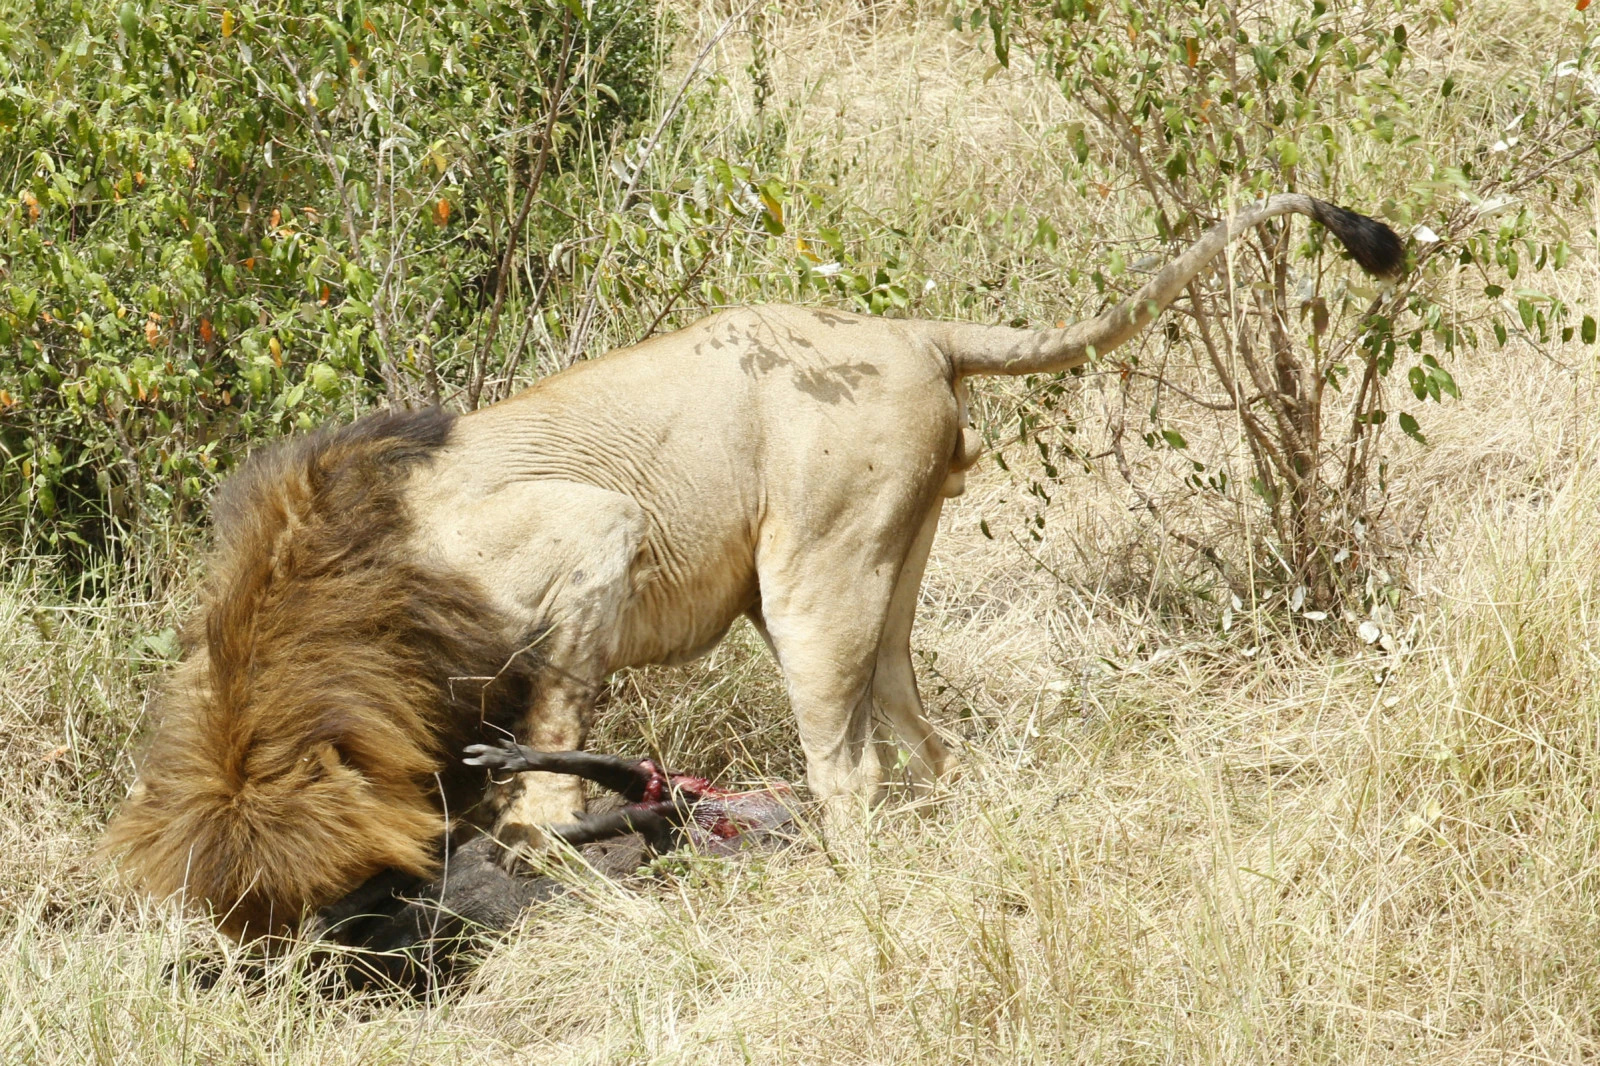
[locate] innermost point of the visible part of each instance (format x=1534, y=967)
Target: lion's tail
x=975, y=349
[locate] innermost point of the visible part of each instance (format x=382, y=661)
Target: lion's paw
x=524, y=849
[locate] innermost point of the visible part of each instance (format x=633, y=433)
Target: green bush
x=224, y=222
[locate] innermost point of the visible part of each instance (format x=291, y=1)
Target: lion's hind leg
x=901, y=723
x=825, y=609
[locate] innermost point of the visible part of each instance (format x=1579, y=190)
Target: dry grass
x=1171, y=845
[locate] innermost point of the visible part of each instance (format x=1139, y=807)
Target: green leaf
x=162, y=645
x=1419, y=386
x=1525, y=312
x=1588, y=333
x=1045, y=235
x=1411, y=429
x=325, y=380
x=1175, y=439
x=1444, y=382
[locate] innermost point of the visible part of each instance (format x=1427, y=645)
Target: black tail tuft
x=1372, y=244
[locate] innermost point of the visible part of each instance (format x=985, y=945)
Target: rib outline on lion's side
x=302, y=745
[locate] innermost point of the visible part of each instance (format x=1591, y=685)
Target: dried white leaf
x=1494, y=205
x=1369, y=632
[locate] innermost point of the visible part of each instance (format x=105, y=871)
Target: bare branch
x=580, y=332
x=535, y=179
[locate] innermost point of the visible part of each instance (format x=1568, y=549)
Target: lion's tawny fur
x=303, y=744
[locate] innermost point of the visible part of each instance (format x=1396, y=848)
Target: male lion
x=382, y=590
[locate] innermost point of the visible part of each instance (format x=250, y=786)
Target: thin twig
x=683, y=286
x=1205, y=550
x=535, y=179
x=580, y=332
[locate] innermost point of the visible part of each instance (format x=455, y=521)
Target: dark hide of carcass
x=409, y=934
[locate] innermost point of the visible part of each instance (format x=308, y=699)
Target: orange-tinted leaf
x=274, y=218
x=774, y=208
x=1583, y=5
x=325, y=295
x=205, y=331
x=441, y=212
x=1192, y=49
x=227, y=23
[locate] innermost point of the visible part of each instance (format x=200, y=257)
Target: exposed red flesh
x=721, y=816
